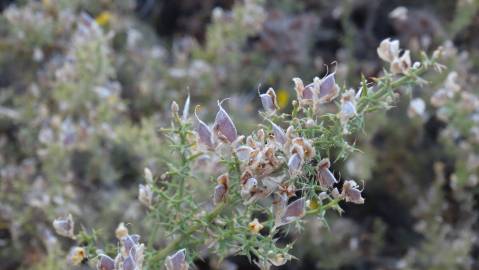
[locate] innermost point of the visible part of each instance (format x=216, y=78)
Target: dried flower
x=64, y=226
x=121, y=231
x=388, y=50
x=324, y=176
x=224, y=127
x=177, y=261
x=255, y=227
x=205, y=136
x=221, y=189
x=401, y=64
x=77, y=255
x=351, y=193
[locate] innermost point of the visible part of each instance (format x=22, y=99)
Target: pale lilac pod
x=324, y=176
x=308, y=92
x=243, y=153
x=224, y=126
x=279, y=134
x=177, y=261
x=64, y=226
x=205, y=135
x=129, y=242
x=328, y=89
x=219, y=194
x=293, y=211
x=268, y=100
x=129, y=263
x=105, y=263
x=351, y=193
x=294, y=164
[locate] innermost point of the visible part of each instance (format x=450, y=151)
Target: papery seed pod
x=268, y=100
x=105, y=263
x=224, y=126
x=243, y=153
x=324, y=176
x=388, y=50
x=293, y=212
x=128, y=243
x=295, y=163
x=278, y=132
x=351, y=193
x=64, y=226
x=205, y=136
x=145, y=195
x=328, y=89
x=304, y=94
x=129, y=263
x=219, y=194
x=177, y=261
x=121, y=231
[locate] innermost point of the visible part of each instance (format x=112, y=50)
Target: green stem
x=172, y=246
x=330, y=204
x=393, y=85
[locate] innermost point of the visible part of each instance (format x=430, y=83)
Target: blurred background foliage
x=85, y=86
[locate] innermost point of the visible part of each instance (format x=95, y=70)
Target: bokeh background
x=85, y=86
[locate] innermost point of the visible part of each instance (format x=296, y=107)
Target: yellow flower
x=283, y=97
x=77, y=255
x=103, y=18
x=312, y=204
x=254, y=226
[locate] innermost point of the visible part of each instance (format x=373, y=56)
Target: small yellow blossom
x=254, y=226
x=77, y=255
x=283, y=98
x=312, y=204
x=103, y=18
